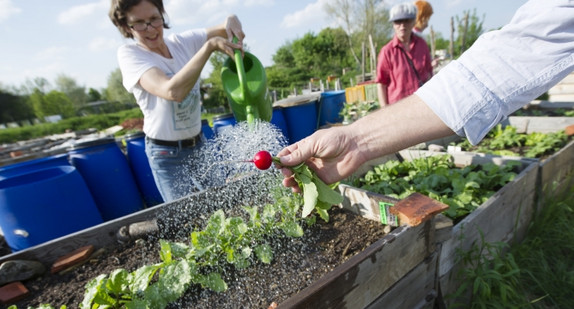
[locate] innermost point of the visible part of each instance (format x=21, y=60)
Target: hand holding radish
x=317, y=195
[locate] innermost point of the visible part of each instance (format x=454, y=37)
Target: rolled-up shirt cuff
x=462, y=102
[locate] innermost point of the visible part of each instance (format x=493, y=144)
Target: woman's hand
x=233, y=29
x=223, y=45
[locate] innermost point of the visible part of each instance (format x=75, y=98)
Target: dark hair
x=118, y=11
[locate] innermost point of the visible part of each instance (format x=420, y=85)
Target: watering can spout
x=245, y=84
x=242, y=95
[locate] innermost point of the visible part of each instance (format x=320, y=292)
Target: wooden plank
x=464, y=158
x=363, y=203
x=539, y=124
x=550, y=105
x=561, y=98
x=503, y=218
x=364, y=277
x=557, y=172
x=417, y=289
x=99, y=236
x=167, y=215
x=562, y=89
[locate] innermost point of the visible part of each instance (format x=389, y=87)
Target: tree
x=76, y=94
x=312, y=56
x=362, y=21
x=30, y=86
x=58, y=103
x=116, y=91
x=214, y=94
x=94, y=95
x=52, y=103
x=469, y=29
x=14, y=108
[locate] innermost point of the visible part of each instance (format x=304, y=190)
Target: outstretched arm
x=335, y=153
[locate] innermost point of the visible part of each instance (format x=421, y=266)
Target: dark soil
x=297, y=263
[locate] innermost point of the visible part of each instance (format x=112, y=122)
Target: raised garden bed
x=537, y=142
x=349, y=262
x=504, y=217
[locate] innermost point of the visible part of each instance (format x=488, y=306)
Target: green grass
x=536, y=273
x=98, y=122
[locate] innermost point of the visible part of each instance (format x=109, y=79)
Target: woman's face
x=403, y=28
x=144, y=23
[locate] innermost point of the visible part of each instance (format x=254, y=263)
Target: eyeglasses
x=142, y=25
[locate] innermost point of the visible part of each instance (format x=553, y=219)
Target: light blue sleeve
x=504, y=69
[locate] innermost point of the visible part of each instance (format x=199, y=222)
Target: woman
x=404, y=63
x=163, y=74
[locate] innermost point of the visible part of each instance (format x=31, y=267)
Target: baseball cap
x=403, y=11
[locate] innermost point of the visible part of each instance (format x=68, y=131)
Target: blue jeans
x=171, y=166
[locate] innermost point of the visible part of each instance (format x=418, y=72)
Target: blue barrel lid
x=332, y=93
x=223, y=116
x=92, y=143
x=298, y=100
x=134, y=135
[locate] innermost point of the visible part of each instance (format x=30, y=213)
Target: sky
x=75, y=38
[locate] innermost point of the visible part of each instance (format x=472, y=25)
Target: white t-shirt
x=164, y=119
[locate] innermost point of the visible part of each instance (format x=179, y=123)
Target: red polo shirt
x=394, y=70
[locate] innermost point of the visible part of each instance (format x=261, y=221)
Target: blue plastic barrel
x=330, y=105
x=206, y=129
x=41, y=205
x=32, y=165
x=300, y=115
x=135, y=148
x=222, y=123
x=107, y=173
x=278, y=119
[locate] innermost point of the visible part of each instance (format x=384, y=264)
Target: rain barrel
x=139, y=164
x=206, y=129
x=278, y=119
x=300, y=115
x=41, y=205
x=107, y=173
x=329, y=107
x=222, y=123
x=35, y=164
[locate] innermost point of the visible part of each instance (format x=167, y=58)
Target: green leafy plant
x=463, y=189
x=507, y=142
x=353, y=111
x=225, y=241
x=317, y=196
x=489, y=273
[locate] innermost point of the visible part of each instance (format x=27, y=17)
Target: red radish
x=262, y=160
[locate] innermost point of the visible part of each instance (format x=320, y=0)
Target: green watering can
x=245, y=84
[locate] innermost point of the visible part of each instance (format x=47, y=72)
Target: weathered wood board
x=503, y=218
x=417, y=289
x=100, y=236
x=364, y=203
x=364, y=277
x=106, y=234
x=529, y=125
x=557, y=172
